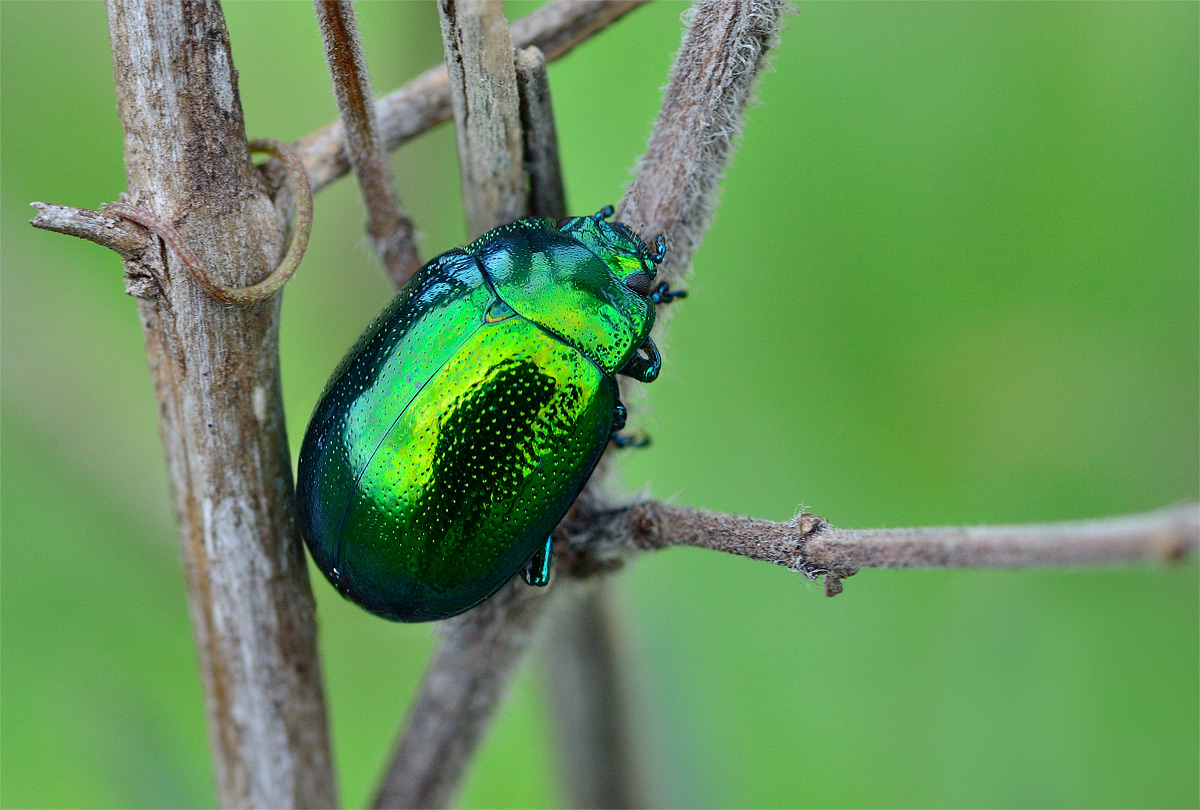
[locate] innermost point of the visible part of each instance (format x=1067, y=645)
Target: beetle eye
x=562, y=222
x=639, y=283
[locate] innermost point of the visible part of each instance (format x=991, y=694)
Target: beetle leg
x=536, y=571
x=619, y=417
x=644, y=369
x=634, y=440
x=660, y=249
x=663, y=294
x=604, y=213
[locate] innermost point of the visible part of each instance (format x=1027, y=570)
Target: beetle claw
x=660, y=249
x=604, y=213
x=536, y=571
x=663, y=294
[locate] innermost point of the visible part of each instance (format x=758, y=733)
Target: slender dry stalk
x=555, y=27
x=462, y=688
x=587, y=682
x=547, y=197
x=675, y=191
x=391, y=232
x=810, y=546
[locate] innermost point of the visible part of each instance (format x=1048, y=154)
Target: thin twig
x=463, y=685
x=547, y=197
x=107, y=230
x=555, y=27
x=391, y=232
x=809, y=545
x=487, y=116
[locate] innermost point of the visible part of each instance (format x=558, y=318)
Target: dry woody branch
x=216, y=375
x=810, y=546
x=487, y=117
x=391, y=232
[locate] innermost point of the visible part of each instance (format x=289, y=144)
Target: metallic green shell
x=561, y=284
x=460, y=427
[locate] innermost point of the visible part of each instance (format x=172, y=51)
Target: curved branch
x=556, y=28
x=809, y=545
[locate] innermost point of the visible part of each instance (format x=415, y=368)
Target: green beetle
x=457, y=431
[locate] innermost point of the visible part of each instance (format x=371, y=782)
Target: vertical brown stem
x=547, y=197
x=390, y=230
x=216, y=376
x=487, y=118
x=589, y=691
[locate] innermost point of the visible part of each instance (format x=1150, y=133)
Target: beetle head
x=618, y=246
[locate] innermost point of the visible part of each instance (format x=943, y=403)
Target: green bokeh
x=953, y=278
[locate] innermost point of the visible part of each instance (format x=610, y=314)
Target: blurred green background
x=953, y=279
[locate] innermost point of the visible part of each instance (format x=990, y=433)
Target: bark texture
x=463, y=686
x=810, y=546
x=586, y=677
x=547, y=197
x=487, y=117
x=216, y=376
